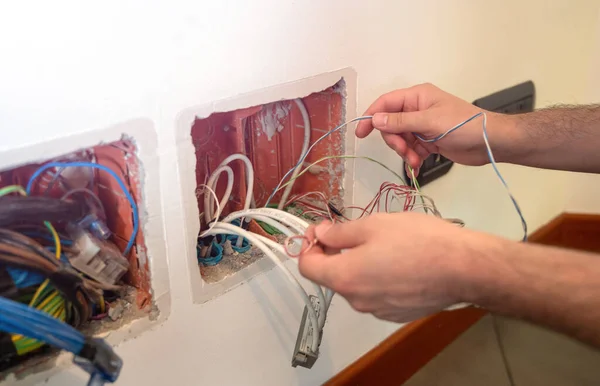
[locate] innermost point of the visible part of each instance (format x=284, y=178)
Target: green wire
x=12, y=189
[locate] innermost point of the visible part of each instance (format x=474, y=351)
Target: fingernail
x=380, y=120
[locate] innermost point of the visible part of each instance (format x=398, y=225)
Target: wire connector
x=95, y=257
x=99, y=360
x=304, y=354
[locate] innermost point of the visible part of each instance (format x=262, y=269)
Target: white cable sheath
x=305, y=144
x=251, y=237
x=249, y=182
x=323, y=299
x=282, y=216
x=212, y=184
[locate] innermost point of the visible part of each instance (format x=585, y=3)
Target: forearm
x=548, y=286
x=563, y=138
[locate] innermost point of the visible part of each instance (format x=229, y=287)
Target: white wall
x=69, y=67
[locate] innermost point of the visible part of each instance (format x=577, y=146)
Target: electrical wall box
x=142, y=302
x=268, y=127
x=513, y=100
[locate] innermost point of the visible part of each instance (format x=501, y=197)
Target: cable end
x=99, y=360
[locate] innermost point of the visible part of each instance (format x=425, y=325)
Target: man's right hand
x=428, y=111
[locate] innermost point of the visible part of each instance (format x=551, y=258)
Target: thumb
x=341, y=235
x=411, y=122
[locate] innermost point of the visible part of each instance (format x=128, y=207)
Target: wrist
x=481, y=258
x=508, y=140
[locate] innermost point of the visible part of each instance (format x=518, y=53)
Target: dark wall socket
x=513, y=100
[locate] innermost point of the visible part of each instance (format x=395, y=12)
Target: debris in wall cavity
x=231, y=263
x=116, y=310
x=271, y=117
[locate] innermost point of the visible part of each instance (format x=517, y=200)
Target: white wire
x=249, y=182
x=298, y=224
x=218, y=214
x=251, y=237
x=305, y=144
x=212, y=183
x=279, y=248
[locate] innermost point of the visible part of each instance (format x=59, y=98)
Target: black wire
x=18, y=209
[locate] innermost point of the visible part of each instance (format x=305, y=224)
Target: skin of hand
x=428, y=111
x=399, y=267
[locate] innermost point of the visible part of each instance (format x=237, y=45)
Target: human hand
x=399, y=267
x=428, y=111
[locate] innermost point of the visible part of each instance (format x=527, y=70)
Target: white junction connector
x=97, y=258
x=305, y=354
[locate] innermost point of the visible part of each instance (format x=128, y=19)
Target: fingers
x=392, y=101
x=403, y=122
x=405, y=149
x=342, y=235
x=319, y=264
x=337, y=272
x=413, y=99
x=315, y=265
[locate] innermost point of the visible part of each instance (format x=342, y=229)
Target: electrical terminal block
x=99, y=259
x=304, y=354
x=96, y=226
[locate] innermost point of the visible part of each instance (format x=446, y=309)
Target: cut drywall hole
x=124, y=312
x=271, y=134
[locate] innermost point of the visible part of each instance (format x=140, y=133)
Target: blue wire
x=492, y=161
x=114, y=175
x=17, y=318
x=301, y=160
x=435, y=139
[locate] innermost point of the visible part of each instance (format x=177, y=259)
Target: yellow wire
x=54, y=233
x=13, y=189
x=102, y=305
x=60, y=312
x=47, y=300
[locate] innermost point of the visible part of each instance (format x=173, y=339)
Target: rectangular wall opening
x=108, y=221
x=272, y=136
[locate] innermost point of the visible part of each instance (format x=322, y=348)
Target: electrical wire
x=306, y=169
x=17, y=318
x=491, y=158
x=303, y=153
x=212, y=183
x=286, y=218
x=301, y=160
x=249, y=183
x=114, y=175
x=90, y=193
x=220, y=226
x=279, y=219
x=217, y=215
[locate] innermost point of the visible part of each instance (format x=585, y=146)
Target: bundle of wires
x=35, y=261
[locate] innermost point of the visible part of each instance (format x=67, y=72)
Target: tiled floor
x=472, y=359
x=534, y=357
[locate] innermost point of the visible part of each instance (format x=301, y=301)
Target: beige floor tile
x=471, y=360
x=538, y=357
